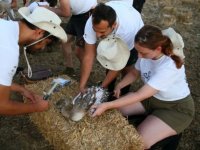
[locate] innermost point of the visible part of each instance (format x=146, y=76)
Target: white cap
x=176, y=40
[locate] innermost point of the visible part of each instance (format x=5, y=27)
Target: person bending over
x=165, y=96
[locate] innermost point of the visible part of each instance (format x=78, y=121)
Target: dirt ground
x=19, y=133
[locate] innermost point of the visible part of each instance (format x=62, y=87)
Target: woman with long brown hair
x=165, y=96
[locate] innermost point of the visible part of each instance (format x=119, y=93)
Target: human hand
x=29, y=95
x=41, y=104
x=98, y=109
x=117, y=92
x=82, y=89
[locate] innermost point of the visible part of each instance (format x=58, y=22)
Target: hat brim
x=119, y=62
x=116, y=66
x=52, y=28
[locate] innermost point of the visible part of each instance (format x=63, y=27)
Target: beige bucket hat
x=176, y=40
x=44, y=19
x=113, y=53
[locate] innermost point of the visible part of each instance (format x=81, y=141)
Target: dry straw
x=110, y=131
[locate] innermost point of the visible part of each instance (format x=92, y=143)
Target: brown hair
x=151, y=37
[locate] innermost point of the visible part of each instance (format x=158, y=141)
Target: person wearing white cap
x=165, y=97
x=110, y=23
x=34, y=27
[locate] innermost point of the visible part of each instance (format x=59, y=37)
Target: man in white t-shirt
x=116, y=18
x=79, y=12
x=31, y=29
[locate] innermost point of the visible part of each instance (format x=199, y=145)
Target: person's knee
x=123, y=111
x=147, y=143
x=146, y=137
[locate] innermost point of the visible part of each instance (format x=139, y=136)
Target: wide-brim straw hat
x=113, y=53
x=176, y=40
x=44, y=19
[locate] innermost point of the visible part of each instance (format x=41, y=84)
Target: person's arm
x=128, y=79
x=26, y=2
x=14, y=4
x=10, y=107
x=87, y=64
x=111, y=75
x=143, y=93
x=63, y=10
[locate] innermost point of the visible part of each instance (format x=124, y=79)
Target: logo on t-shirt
x=146, y=76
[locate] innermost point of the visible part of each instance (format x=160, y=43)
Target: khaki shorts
x=177, y=114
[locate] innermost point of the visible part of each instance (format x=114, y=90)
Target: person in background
x=8, y=6
x=33, y=28
x=165, y=96
x=138, y=5
x=33, y=5
x=51, y=3
x=2, y=10
x=114, y=18
x=78, y=11
x=13, y=3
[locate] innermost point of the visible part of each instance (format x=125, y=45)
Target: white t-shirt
x=130, y=2
x=81, y=6
x=9, y=51
x=128, y=19
x=163, y=76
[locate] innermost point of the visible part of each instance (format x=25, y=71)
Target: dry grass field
x=19, y=133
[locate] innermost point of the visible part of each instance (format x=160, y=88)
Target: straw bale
x=108, y=131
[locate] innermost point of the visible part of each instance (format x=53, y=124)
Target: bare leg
x=152, y=130
x=67, y=49
x=133, y=109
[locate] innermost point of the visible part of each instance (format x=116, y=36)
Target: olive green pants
x=177, y=114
